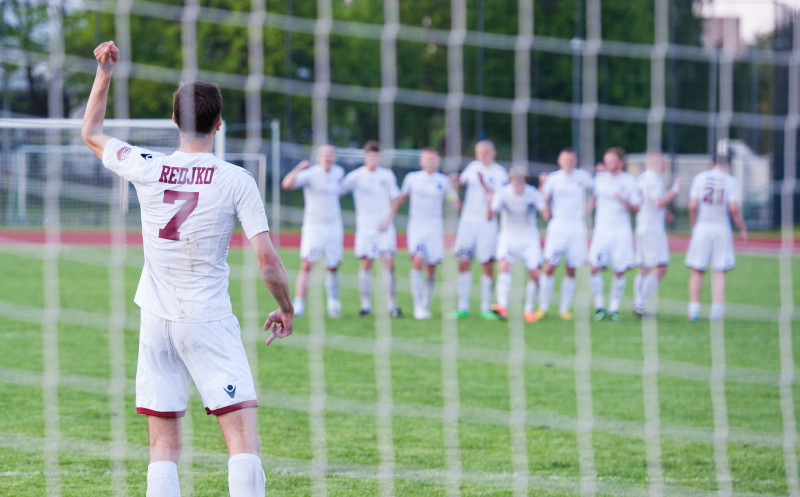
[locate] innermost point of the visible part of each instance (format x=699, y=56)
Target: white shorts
x=373, y=243
x=324, y=240
x=711, y=243
x=426, y=242
x=652, y=249
x=476, y=239
x=612, y=248
x=211, y=353
x=565, y=241
x=520, y=246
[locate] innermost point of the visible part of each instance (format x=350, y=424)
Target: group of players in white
x=190, y=200
x=564, y=198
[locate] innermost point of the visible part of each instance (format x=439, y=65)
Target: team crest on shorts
x=122, y=153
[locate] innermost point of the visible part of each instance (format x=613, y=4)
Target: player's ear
x=173, y=118
x=218, y=123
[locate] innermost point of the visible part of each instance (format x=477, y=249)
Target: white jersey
x=518, y=212
x=611, y=213
x=373, y=192
x=321, y=194
x=566, y=194
x=189, y=205
x=426, y=194
x=714, y=190
x=475, y=202
x=650, y=217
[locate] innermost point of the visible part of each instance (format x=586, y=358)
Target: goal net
x=457, y=407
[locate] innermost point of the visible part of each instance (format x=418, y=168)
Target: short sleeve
x=538, y=199
x=250, y=207
x=696, y=191
x=130, y=162
x=635, y=194
x=547, y=188
x=394, y=191
x=466, y=175
x=349, y=182
x=497, y=201
x=303, y=178
x=732, y=191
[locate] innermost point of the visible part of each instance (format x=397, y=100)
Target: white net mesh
x=50, y=180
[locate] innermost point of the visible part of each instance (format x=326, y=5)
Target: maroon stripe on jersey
x=161, y=414
x=231, y=408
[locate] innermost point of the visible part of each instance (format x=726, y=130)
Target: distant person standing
x=322, y=234
x=713, y=202
x=517, y=205
x=652, y=247
x=476, y=237
x=425, y=191
x=190, y=201
x=373, y=190
x=565, y=191
x=616, y=196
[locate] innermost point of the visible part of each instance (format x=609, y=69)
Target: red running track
x=769, y=245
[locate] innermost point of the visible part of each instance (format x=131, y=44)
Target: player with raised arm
x=373, y=190
x=565, y=192
x=476, y=236
x=517, y=205
x=189, y=203
x=652, y=248
x=322, y=234
x=616, y=196
x=426, y=191
x=713, y=202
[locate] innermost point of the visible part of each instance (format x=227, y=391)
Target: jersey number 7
x=170, y=231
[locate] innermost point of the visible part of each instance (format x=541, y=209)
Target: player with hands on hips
x=189, y=202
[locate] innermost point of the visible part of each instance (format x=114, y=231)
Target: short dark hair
x=567, y=150
x=200, y=101
x=430, y=149
x=372, y=146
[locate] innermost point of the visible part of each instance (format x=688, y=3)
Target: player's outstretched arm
x=107, y=55
x=280, y=321
x=288, y=180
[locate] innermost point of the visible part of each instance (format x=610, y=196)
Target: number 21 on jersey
x=170, y=231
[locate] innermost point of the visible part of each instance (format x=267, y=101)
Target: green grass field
x=90, y=427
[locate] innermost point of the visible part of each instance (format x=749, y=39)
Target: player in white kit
x=373, y=190
x=616, y=196
x=565, y=192
x=652, y=248
x=189, y=203
x=322, y=234
x=517, y=205
x=476, y=237
x=426, y=191
x=713, y=201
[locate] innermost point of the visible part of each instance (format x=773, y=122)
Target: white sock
x=299, y=306
x=430, y=282
x=464, y=289
x=246, y=476
x=391, y=288
x=530, y=296
x=546, y=287
x=649, y=286
x=567, y=293
x=365, y=287
x=617, y=291
x=717, y=312
x=486, y=292
x=597, y=291
x=693, y=310
x=503, y=289
x=416, y=289
x=638, y=292
x=162, y=479
x=332, y=285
